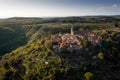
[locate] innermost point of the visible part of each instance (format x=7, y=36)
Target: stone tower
x=72, y=32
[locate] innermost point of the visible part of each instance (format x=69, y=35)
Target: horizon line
x=54, y=16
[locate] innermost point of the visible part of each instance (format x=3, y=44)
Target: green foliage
x=48, y=44
x=11, y=34
x=88, y=75
x=2, y=73
x=100, y=56
x=85, y=41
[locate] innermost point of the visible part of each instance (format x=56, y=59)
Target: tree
x=116, y=25
x=88, y=75
x=85, y=41
x=49, y=44
x=100, y=56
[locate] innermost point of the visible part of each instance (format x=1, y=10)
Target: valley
x=53, y=49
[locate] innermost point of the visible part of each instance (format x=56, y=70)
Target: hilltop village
x=73, y=41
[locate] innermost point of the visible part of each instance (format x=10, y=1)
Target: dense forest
x=24, y=54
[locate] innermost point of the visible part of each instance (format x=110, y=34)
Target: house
x=73, y=40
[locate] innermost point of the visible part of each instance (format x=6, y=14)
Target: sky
x=58, y=8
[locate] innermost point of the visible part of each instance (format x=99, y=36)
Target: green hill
x=26, y=56
x=36, y=61
x=16, y=31
x=11, y=37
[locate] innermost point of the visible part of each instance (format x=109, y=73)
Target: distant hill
x=18, y=31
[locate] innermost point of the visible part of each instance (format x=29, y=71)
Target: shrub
x=88, y=75
x=100, y=56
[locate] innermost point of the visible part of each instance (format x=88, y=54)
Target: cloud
x=114, y=5
x=108, y=9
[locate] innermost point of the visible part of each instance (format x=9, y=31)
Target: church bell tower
x=72, y=32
